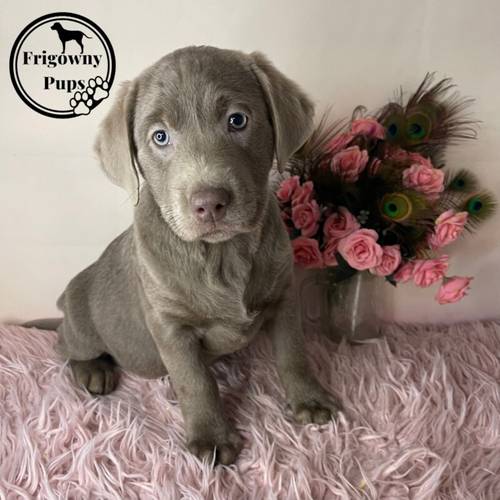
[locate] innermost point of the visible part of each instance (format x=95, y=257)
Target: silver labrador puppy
x=207, y=262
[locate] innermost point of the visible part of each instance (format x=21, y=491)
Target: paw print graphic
x=98, y=88
x=83, y=102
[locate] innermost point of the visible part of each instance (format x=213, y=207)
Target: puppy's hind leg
x=91, y=365
x=99, y=376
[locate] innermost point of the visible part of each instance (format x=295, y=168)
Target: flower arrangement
x=374, y=195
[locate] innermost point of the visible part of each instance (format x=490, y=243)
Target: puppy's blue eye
x=237, y=121
x=161, y=137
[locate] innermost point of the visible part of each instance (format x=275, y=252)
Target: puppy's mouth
x=216, y=232
x=217, y=236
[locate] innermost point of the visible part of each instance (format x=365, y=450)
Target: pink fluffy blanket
x=421, y=420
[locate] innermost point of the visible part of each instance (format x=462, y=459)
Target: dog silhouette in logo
x=68, y=35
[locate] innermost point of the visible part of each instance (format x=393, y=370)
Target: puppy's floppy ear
x=290, y=109
x=115, y=142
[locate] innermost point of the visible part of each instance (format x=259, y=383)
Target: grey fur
x=171, y=293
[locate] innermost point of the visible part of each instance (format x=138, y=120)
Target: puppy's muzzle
x=210, y=204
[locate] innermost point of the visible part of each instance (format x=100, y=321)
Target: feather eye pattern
x=479, y=207
x=462, y=181
x=434, y=117
x=407, y=208
x=458, y=187
x=394, y=120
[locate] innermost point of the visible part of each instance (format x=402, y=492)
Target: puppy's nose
x=210, y=204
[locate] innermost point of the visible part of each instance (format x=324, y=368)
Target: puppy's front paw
x=226, y=446
x=313, y=405
x=315, y=412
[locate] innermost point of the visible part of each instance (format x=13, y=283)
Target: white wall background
x=58, y=211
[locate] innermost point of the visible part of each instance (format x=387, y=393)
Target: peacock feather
x=313, y=151
x=462, y=181
x=434, y=116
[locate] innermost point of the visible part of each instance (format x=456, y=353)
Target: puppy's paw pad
x=80, y=103
x=98, y=88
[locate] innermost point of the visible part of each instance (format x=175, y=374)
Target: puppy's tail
x=85, y=35
x=44, y=323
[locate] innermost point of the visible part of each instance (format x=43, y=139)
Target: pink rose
x=303, y=194
x=340, y=224
x=453, y=289
x=361, y=250
x=405, y=272
x=287, y=188
x=427, y=272
x=449, y=226
x=306, y=217
x=417, y=158
x=391, y=258
x=400, y=155
x=349, y=163
x=329, y=257
x=306, y=253
x=340, y=141
x=369, y=127
x=424, y=179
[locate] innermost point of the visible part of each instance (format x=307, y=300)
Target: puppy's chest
x=242, y=310
x=224, y=299
x=227, y=289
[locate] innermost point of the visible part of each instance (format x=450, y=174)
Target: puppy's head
x=202, y=127
x=55, y=26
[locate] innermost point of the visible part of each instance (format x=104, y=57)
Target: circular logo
x=62, y=65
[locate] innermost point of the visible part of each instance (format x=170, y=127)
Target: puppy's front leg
x=306, y=397
x=207, y=430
